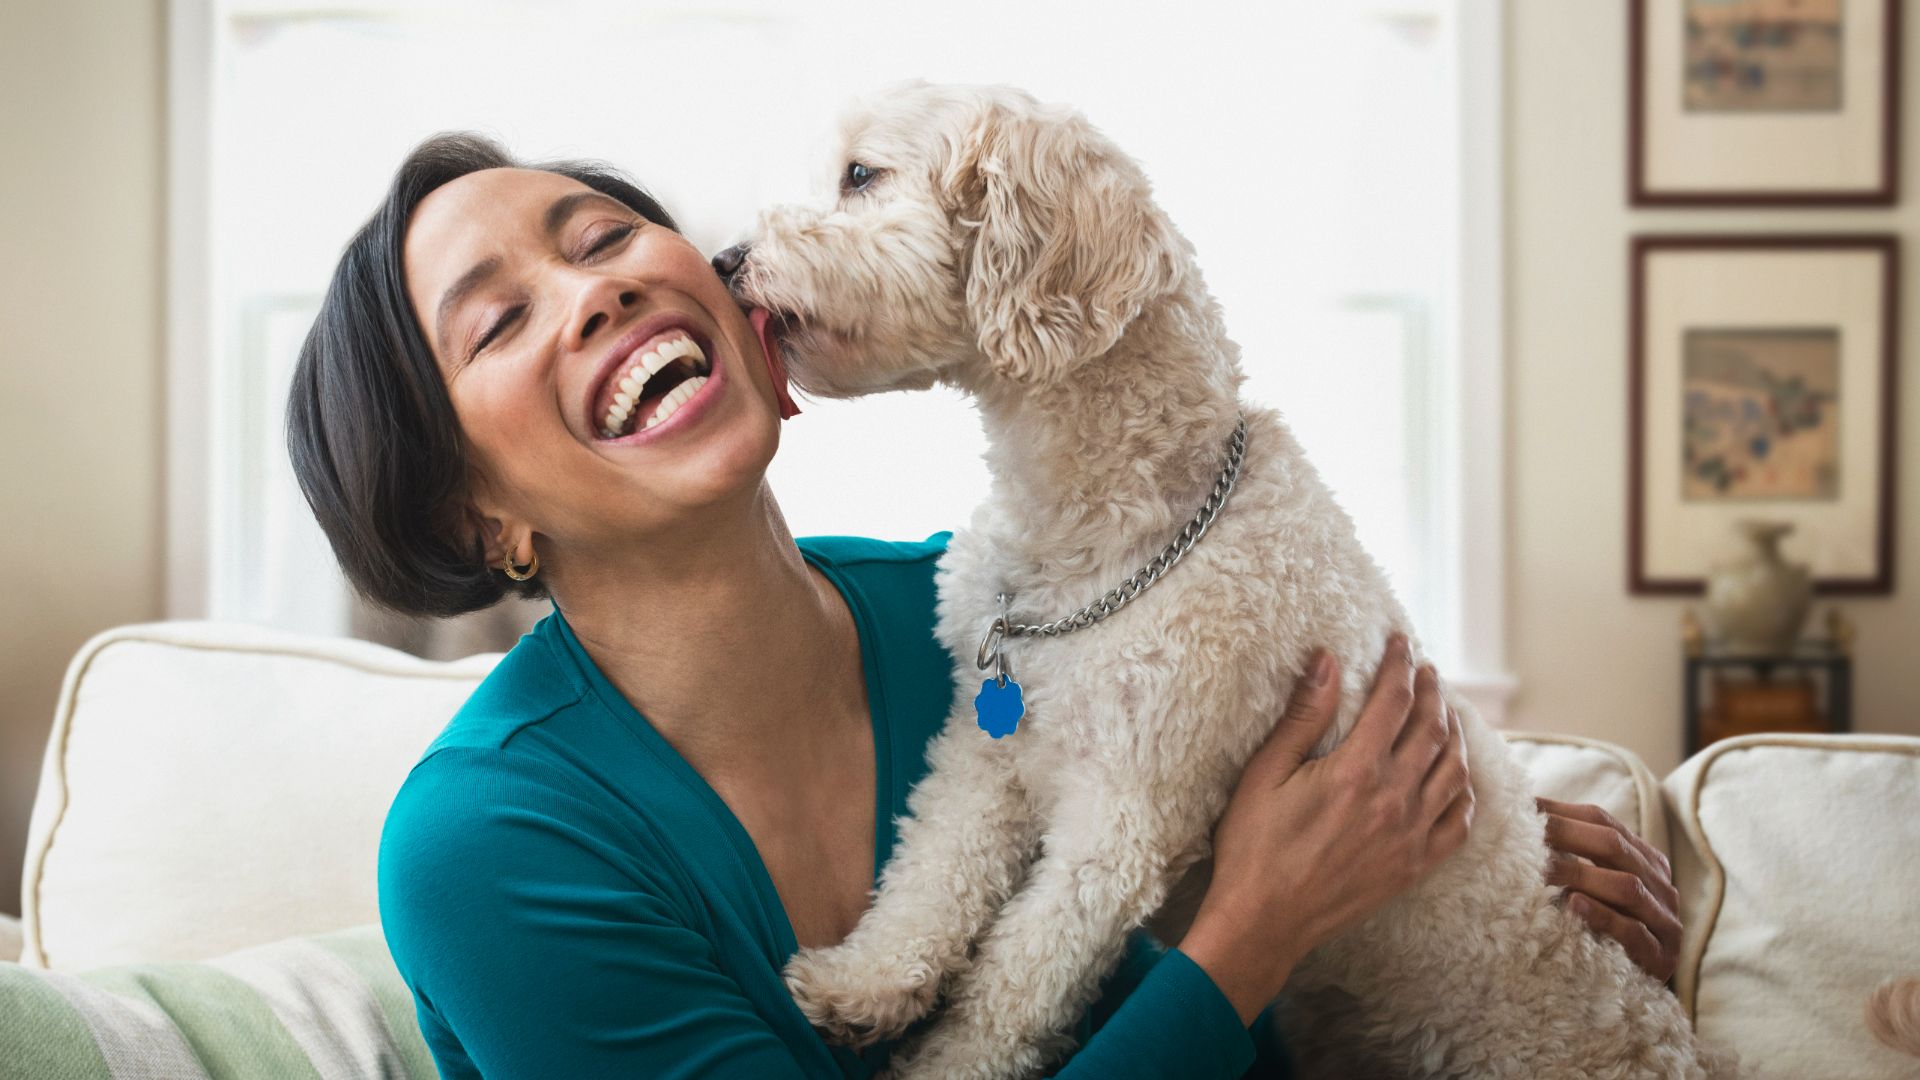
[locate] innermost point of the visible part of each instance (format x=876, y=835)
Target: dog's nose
x=727, y=263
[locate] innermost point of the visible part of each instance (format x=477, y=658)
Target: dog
x=980, y=239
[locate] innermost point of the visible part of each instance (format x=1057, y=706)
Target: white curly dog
x=982, y=240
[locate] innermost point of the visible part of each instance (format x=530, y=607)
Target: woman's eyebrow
x=565, y=206
x=556, y=216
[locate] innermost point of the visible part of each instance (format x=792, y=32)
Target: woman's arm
x=1175, y=1022
x=536, y=947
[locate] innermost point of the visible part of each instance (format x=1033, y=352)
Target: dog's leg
x=957, y=859
x=1107, y=867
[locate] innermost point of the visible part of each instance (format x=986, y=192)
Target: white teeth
x=629, y=387
x=675, y=398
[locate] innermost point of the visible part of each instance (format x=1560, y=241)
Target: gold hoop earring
x=506, y=564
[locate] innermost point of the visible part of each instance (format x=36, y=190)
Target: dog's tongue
x=761, y=319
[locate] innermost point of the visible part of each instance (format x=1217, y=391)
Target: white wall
x=80, y=401
x=1590, y=658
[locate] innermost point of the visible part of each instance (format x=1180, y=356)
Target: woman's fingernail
x=1320, y=669
x=1578, y=905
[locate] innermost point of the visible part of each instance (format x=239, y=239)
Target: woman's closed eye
x=607, y=239
x=495, y=328
x=600, y=244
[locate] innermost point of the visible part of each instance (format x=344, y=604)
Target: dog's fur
x=1012, y=251
x=1893, y=1014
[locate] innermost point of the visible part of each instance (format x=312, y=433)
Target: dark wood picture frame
x=1887, y=245
x=1885, y=194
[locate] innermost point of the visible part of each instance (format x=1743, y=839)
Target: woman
x=694, y=765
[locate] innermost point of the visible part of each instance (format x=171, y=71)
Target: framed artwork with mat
x=1763, y=102
x=1762, y=385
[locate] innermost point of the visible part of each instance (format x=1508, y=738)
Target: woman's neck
x=732, y=646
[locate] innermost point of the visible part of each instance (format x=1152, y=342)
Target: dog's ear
x=1067, y=245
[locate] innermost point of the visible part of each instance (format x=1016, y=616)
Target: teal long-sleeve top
x=567, y=897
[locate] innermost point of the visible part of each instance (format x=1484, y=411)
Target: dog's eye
x=858, y=176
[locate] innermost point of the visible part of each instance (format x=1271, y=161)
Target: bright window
x=1311, y=151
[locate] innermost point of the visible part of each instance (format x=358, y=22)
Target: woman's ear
x=1067, y=243
x=484, y=526
x=483, y=533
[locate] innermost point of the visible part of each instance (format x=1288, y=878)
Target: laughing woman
x=525, y=380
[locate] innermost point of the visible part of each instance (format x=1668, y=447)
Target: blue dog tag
x=998, y=707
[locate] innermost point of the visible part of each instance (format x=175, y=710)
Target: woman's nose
x=596, y=307
x=728, y=262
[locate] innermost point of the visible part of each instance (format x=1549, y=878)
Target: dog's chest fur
x=1186, y=680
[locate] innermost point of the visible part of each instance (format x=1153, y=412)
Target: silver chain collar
x=993, y=645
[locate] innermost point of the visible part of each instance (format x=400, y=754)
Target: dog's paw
x=857, y=998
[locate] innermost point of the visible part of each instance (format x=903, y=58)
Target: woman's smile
x=659, y=378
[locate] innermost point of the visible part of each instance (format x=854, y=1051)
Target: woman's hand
x=1619, y=884
x=1306, y=849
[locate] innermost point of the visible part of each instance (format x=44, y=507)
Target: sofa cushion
x=212, y=786
x=1574, y=769
x=172, y=824
x=1798, y=861
x=326, y=1006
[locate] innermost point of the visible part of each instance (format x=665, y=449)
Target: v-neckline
x=787, y=942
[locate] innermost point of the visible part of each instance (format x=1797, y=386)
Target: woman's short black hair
x=375, y=443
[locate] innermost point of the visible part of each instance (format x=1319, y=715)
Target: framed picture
x=1762, y=386
x=1763, y=102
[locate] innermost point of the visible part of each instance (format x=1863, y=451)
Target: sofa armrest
x=9, y=938
x=1796, y=857
x=1575, y=769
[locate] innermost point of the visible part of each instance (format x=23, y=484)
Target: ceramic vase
x=1758, y=601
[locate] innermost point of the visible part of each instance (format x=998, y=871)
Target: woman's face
x=546, y=304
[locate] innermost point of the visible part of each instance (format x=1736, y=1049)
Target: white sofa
x=211, y=787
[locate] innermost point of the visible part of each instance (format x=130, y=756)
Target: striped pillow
x=331, y=1005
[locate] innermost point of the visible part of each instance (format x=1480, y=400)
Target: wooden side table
x=1808, y=688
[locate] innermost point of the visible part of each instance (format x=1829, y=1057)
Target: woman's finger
x=1315, y=701
x=1447, y=777
x=1598, y=815
x=1385, y=712
x=1612, y=846
x=1429, y=727
x=1451, y=829
x=1623, y=893
x=1640, y=944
